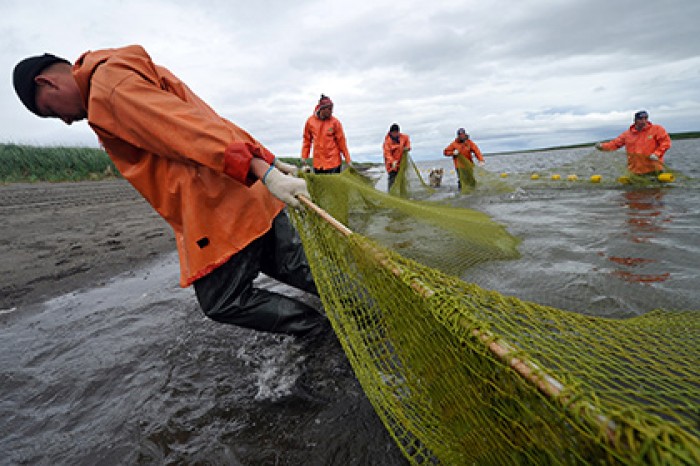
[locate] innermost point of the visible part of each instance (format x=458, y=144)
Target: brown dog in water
x=435, y=177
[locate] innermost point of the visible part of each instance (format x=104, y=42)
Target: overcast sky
x=516, y=74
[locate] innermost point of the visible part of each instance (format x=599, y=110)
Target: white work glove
x=654, y=157
x=455, y=153
x=482, y=163
x=599, y=145
x=286, y=168
x=285, y=187
x=394, y=164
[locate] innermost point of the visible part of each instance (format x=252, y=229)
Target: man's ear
x=45, y=80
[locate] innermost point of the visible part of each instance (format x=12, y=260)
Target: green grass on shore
x=20, y=163
x=688, y=135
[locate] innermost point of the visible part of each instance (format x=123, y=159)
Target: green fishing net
x=464, y=375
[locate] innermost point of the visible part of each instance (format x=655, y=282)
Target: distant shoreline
x=674, y=137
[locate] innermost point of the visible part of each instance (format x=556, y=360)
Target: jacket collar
x=89, y=61
x=634, y=129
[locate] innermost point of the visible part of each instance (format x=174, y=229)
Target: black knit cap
x=24, y=74
x=393, y=127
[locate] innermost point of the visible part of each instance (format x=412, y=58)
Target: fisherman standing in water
x=396, y=144
x=463, y=148
x=646, y=145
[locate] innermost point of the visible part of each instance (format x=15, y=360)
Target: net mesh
x=409, y=182
x=463, y=375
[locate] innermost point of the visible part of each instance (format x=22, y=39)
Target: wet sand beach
x=60, y=237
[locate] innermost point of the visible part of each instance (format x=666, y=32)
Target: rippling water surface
x=605, y=249
x=131, y=373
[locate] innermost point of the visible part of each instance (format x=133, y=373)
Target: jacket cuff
x=237, y=157
x=264, y=154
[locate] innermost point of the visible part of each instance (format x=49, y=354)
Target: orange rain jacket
x=189, y=163
x=466, y=149
x=393, y=151
x=653, y=139
x=329, y=143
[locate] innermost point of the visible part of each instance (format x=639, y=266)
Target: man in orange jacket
x=395, y=145
x=464, y=147
x=646, y=145
x=325, y=133
x=222, y=192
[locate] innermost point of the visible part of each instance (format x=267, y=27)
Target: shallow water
x=132, y=373
x=605, y=249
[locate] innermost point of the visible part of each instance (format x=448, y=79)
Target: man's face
x=463, y=136
x=59, y=98
x=641, y=122
x=394, y=134
x=325, y=113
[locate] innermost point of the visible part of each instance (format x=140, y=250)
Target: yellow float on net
x=556, y=177
x=572, y=178
x=504, y=175
x=624, y=179
x=666, y=178
x=596, y=178
x=534, y=176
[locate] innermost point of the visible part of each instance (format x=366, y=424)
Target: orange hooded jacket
x=393, y=151
x=466, y=149
x=652, y=139
x=329, y=143
x=189, y=163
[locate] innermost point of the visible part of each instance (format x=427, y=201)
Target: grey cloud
x=517, y=74
x=652, y=29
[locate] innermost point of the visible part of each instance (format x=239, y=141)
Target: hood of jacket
x=85, y=66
